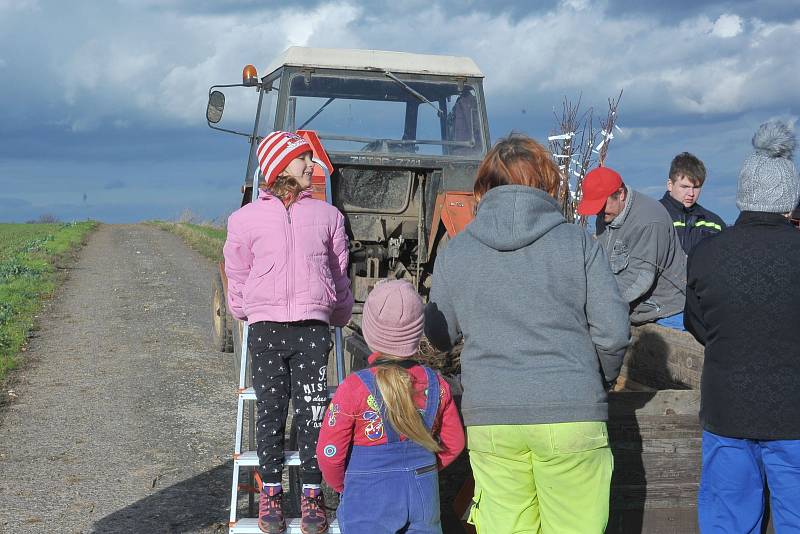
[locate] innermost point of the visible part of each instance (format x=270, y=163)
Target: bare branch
x=607, y=129
x=577, y=146
x=584, y=161
x=562, y=146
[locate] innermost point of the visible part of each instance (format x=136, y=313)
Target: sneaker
x=312, y=508
x=270, y=512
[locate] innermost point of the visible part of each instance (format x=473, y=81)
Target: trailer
x=655, y=434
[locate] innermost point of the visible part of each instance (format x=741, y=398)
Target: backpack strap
x=432, y=402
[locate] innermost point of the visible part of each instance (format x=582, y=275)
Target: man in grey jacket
x=643, y=248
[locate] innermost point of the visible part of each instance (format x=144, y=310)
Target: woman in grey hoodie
x=544, y=330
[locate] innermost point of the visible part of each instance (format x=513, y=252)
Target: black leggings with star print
x=289, y=359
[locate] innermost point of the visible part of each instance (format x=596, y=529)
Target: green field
x=207, y=240
x=29, y=254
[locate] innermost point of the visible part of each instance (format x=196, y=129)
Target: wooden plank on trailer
x=654, y=468
x=654, y=521
x=663, y=358
x=664, y=402
x=639, y=496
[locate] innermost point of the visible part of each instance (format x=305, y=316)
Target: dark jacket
x=692, y=224
x=742, y=304
x=542, y=318
x=646, y=258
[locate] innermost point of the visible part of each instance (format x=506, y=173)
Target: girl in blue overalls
x=391, y=427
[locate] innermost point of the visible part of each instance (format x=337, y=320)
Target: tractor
x=402, y=135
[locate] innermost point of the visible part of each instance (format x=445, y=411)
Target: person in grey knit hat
x=741, y=303
x=768, y=180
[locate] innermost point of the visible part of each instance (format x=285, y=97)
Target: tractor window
x=380, y=114
x=267, y=120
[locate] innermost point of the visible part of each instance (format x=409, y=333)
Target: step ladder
x=249, y=459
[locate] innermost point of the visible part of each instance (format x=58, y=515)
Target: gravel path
x=124, y=415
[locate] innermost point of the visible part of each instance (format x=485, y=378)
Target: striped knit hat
x=392, y=318
x=277, y=150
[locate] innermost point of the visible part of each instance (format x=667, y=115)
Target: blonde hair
x=397, y=392
x=285, y=188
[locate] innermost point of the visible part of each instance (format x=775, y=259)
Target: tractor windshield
x=388, y=114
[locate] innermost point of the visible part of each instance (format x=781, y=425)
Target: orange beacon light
x=249, y=76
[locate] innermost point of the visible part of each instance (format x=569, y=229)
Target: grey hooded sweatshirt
x=542, y=319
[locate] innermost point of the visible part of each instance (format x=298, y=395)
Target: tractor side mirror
x=216, y=105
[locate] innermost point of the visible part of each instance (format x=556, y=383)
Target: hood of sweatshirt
x=511, y=217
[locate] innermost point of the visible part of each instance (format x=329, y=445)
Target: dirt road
x=124, y=415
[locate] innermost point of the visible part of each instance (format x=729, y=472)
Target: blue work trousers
x=673, y=321
x=390, y=488
x=732, y=485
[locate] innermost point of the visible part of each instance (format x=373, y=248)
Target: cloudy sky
x=103, y=102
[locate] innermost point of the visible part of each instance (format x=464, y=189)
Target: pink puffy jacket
x=288, y=265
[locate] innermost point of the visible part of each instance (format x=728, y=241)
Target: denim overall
x=393, y=487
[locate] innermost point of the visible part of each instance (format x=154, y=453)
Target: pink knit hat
x=392, y=319
x=277, y=150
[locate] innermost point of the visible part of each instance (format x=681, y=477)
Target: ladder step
x=250, y=458
x=250, y=394
x=249, y=525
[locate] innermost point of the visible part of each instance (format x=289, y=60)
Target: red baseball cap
x=597, y=186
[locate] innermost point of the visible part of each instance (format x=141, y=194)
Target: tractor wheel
x=221, y=337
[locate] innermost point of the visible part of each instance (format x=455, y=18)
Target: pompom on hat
x=276, y=151
x=392, y=321
x=768, y=181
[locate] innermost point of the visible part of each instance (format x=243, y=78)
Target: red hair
x=517, y=160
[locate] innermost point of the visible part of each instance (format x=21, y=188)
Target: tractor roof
x=352, y=59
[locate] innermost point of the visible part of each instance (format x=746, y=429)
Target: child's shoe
x=270, y=511
x=312, y=507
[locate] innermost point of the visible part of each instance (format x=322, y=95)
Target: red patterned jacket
x=350, y=420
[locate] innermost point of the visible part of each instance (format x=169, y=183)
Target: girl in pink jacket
x=286, y=260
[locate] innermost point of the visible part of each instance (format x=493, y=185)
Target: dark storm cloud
x=97, y=94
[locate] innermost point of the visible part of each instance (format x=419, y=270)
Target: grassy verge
x=206, y=240
x=29, y=255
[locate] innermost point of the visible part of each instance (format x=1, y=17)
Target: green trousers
x=540, y=479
